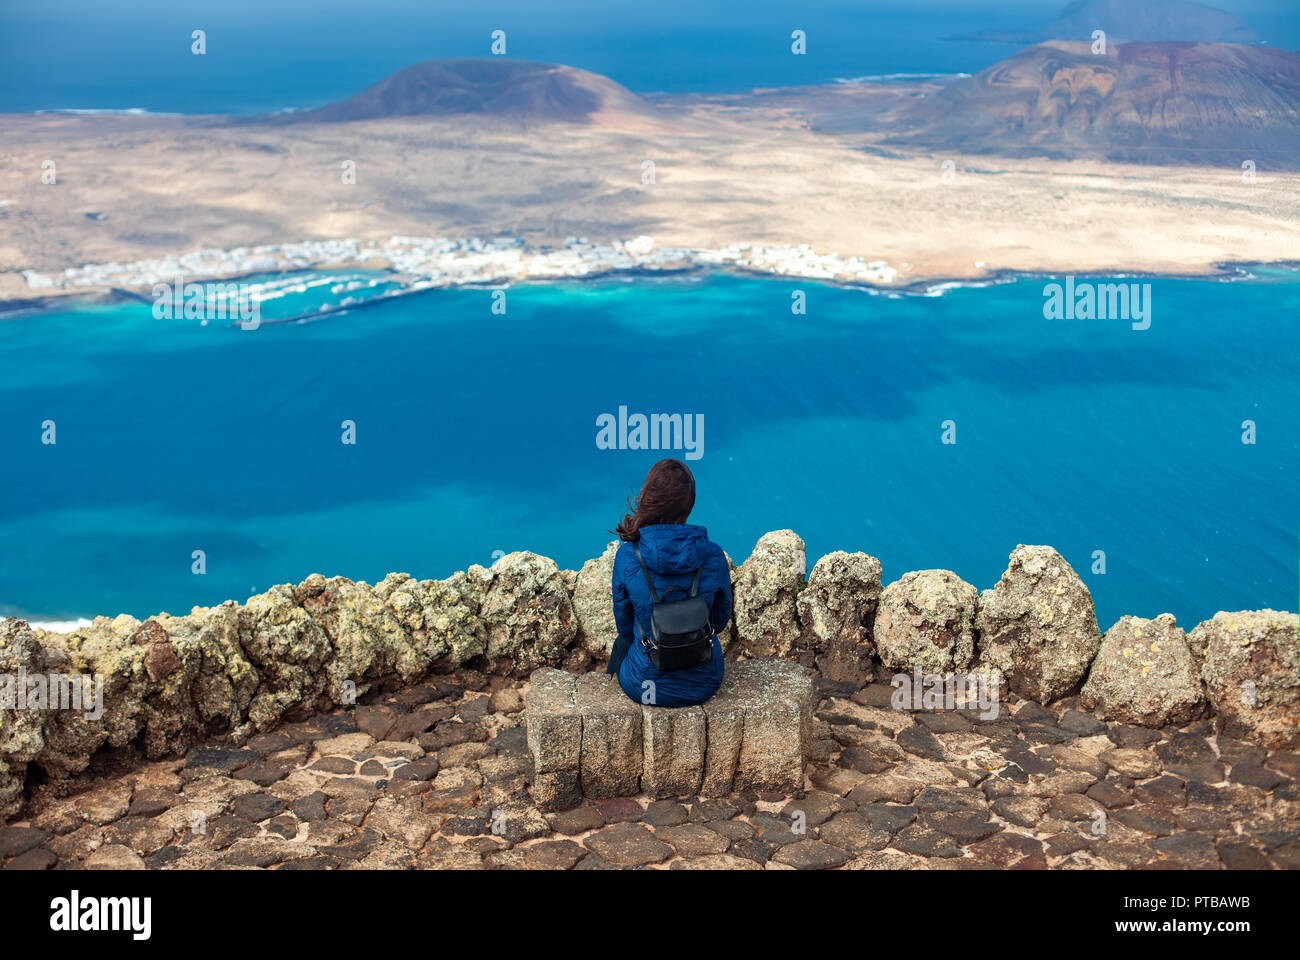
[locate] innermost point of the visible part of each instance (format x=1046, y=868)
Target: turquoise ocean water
x=476, y=433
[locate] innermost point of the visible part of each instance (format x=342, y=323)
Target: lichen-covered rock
x=767, y=588
x=366, y=638
x=231, y=669
x=12, y=776
x=836, y=610
x=226, y=680
x=1251, y=671
x=527, y=612
x=289, y=650
x=1196, y=640
x=197, y=680
x=593, y=604
x=727, y=635
x=171, y=722
x=160, y=658
x=22, y=735
x=104, y=652
x=441, y=616
x=1038, y=626
x=926, y=621
x=1144, y=674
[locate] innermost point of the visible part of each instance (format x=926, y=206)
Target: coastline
x=576, y=260
x=723, y=173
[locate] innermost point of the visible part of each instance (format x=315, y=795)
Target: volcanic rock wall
x=235, y=669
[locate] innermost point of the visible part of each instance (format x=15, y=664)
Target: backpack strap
x=650, y=583
x=695, y=584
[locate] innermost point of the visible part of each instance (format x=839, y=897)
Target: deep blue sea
x=476, y=433
x=267, y=55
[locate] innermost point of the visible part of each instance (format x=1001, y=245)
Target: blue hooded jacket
x=672, y=553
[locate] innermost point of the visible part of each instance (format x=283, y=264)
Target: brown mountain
x=1212, y=103
x=1133, y=20
x=492, y=86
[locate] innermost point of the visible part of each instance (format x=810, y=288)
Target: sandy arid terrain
x=804, y=165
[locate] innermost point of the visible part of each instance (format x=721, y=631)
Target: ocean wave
x=112, y=111
x=899, y=77
x=939, y=289
x=59, y=626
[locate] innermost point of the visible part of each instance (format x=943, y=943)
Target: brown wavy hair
x=667, y=496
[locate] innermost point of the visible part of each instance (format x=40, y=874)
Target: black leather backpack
x=681, y=631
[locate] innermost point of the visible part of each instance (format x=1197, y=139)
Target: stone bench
x=587, y=739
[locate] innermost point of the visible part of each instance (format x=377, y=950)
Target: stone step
x=587, y=739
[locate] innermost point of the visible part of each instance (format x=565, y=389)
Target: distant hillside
x=1132, y=20
x=1142, y=102
x=494, y=86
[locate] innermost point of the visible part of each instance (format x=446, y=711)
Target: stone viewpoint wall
x=235, y=669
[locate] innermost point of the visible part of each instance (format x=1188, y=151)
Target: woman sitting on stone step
x=672, y=594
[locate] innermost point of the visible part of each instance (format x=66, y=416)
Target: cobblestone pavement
x=433, y=776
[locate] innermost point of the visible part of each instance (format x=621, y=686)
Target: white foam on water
x=887, y=77
x=108, y=111
x=59, y=626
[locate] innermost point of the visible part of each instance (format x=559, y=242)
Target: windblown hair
x=668, y=496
